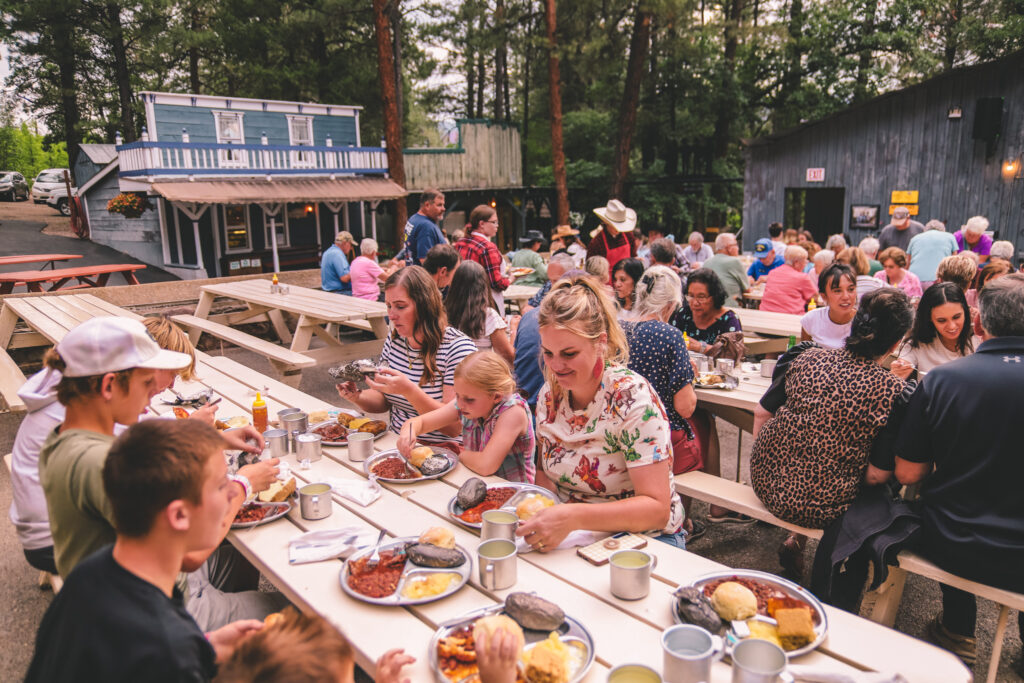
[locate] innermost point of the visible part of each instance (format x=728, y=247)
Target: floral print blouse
x=587, y=454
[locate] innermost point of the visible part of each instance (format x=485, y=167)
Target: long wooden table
x=520, y=294
x=624, y=631
x=768, y=323
x=45, y=259
x=319, y=313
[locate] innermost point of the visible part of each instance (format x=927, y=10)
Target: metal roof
x=99, y=154
x=284, y=190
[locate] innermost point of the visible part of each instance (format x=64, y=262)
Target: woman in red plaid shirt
x=477, y=246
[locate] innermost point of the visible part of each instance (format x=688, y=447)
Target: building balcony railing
x=141, y=159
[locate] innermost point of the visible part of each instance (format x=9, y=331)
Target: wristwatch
x=243, y=481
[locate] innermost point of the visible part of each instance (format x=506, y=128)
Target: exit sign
x=815, y=175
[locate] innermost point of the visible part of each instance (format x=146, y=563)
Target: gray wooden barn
x=956, y=140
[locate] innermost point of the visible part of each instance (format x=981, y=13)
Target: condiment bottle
x=686, y=339
x=259, y=414
x=812, y=304
x=273, y=280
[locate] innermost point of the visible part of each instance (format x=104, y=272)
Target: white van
x=46, y=181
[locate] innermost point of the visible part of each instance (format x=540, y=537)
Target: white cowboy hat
x=617, y=215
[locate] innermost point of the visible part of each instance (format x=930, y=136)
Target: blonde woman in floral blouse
x=602, y=432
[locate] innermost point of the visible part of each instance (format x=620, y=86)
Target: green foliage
x=23, y=150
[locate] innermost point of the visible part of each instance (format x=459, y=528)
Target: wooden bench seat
x=46, y=579
x=11, y=380
x=880, y=605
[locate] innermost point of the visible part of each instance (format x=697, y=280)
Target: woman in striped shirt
x=419, y=357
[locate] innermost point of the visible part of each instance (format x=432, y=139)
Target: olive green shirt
x=733, y=275
x=81, y=516
x=528, y=258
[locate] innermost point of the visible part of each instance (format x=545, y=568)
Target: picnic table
x=519, y=295
x=87, y=276
x=45, y=259
x=768, y=323
x=623, y=631
x=319, y=314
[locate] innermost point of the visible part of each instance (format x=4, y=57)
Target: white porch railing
x=213, y=159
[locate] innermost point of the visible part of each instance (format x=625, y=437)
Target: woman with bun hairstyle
x=497, y=428
x=419, y=356
x=603, y=435
x=826, y=424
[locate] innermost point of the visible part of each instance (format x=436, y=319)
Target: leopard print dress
x=809, y=460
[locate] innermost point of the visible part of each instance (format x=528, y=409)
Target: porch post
x=373, y=217
x=273, y=243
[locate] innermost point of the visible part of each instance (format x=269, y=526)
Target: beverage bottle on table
x=792, y=342
x=259, y=414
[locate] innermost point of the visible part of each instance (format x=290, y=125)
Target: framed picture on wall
x=864, y=216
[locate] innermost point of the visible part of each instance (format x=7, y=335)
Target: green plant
x=129, y=204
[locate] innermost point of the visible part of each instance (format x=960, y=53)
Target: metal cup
x=631, y=573
x=360, y=446
x=768, y=367
x=689, y=651
x=725, y=366
x=701, y=360
x=758, y=661
x=295, y=423
x=277, y=442
x=496, y=560
x=307, y=449
x=498, y=524
x=286, y=411
x=315, y=501
x=633, y=673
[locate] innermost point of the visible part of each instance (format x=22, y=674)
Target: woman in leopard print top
x=824, y=426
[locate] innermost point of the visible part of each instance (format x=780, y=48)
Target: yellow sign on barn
x=904, y=197
x=913, y=208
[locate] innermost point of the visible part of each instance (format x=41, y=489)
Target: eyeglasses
x=698, y=297
x=493, y=221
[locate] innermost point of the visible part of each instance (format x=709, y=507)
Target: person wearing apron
x=614, y=239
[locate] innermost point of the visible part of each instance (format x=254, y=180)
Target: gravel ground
x=752, y=547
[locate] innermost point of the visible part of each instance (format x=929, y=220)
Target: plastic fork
x=375, y=557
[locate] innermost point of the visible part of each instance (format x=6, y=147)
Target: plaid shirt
x=476, y=247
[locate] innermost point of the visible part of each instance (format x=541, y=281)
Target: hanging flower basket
x=129, y=204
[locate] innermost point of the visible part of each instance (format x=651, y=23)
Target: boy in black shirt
x=119, y=616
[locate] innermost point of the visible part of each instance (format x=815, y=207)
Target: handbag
x=728, y=345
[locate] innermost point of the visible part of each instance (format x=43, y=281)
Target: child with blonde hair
x=497, y=430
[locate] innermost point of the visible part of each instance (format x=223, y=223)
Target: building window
x=280, y=227
x=300, y=133
x=236, y=229
x=230, y=132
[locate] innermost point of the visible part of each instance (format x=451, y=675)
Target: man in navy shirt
x=765, y=260
x=335, y=265
x=962, y=438
x=421, y=232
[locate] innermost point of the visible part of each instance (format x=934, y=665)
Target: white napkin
x=316, y=546
x=813, y=674
x=362, y=492
x=575, y=539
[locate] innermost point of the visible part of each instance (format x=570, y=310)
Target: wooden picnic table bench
x=87, y=276
x=46, y=259
x=769, y=323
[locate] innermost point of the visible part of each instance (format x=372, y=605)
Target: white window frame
x=227, y=158
x=224, y=229
x=301, y=159
x=281, y=218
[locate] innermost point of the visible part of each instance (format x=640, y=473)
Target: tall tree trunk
x=949, y=31
x=193, y=53
x=392, y=123
x=526, y=112
x=788, y=113
x=480, y=73
x=555, y=94
x=638, y=47
x=64, y=42
x=470, y=82
x=867, y=33
x=396, y=28
x=728, y=106
x=121, y=74
x=500, y=54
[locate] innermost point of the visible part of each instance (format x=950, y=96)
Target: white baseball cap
x=112, y=344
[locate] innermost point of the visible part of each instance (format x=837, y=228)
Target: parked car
x=58, y=199
x=46, y=181
x=12, y=186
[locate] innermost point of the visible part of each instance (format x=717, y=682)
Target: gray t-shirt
x=733, y=275
x=891, y=236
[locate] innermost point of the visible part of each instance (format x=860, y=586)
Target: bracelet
x=243, y=481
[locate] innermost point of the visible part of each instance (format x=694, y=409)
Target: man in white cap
x=614, y=240
x=336, y=263
x=109, y=370
x=899, y=231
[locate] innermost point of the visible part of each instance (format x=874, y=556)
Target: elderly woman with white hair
x=696, y=252
x=1002, y=249
x=821, y=260
x=870, y=247
x=787, y=289
x=836, y=243
x=367, y=273
x=972, y=237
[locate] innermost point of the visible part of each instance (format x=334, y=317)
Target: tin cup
x=498, y=524
x=688, y=653
x=286, y=411
x=701, y=361
x=315, y=501
x=496, y=560
x=633, y=673
x=295, y=423
x=758, y=661
x=631, y=573
x=277, y=442
x=768, y=367
x=725, y=366
x=360, y=446
x=307, y=449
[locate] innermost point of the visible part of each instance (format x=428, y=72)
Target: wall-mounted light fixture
x=309, y=208
x=1012, y=168
x=955, y=113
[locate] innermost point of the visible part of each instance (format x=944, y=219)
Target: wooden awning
x=252, y=191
